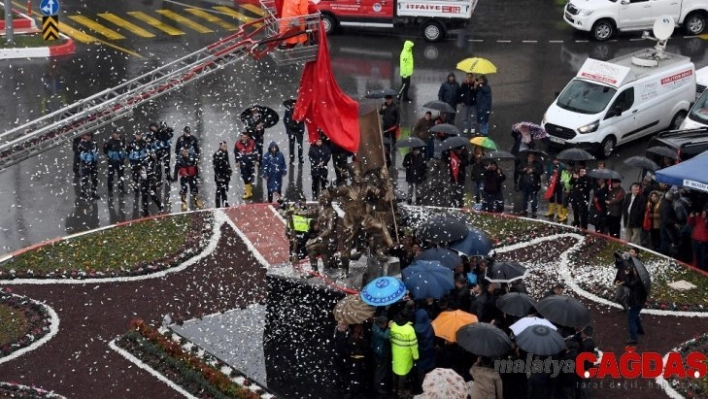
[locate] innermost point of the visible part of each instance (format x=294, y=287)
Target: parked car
x=698, y=115
x=682, y=144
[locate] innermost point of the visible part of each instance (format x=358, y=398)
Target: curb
x=25, y=22
x=66, y=48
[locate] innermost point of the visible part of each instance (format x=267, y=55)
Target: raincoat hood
x=273, y=144
x=408, y=45
x=451, y=74
x=422, y=321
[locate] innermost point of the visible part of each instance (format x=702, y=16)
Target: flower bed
x=692, y=388
x=185, y=364
x=17, y=391
x=22, y=322
x=134, y=249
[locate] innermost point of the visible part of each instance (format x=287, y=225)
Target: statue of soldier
x=325, y=243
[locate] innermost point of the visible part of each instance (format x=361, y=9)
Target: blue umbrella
x=447, y=258
x=475, y=243
x=383, y=291
x=428, y=279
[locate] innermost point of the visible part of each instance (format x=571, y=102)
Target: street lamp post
x=8, y=22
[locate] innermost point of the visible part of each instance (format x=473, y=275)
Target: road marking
x=503, y=41
x=211, y=18
x=529, y=41
x=233, y=13
x=582, y=41
x=555, y=41
x=77, y=34
x=704, y=36
x=250, y=7
x=135, y=29
x=184, y=21
x=476, y=40
x=155, y=23
x=91, y=24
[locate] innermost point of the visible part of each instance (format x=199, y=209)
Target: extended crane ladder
x=109, y=105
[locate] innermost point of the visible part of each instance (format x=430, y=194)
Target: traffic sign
x=50, y=27
x=49, y=7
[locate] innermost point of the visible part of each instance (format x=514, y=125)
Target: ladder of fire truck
x=255, y=39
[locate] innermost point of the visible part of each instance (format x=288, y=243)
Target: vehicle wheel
x=695, y=23
x=603, y=30
x=607, y=147
x=433, y=31
x=330, y=23
x=677, y=120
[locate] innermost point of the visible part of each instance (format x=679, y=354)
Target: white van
x=617, y=101
x=698, y=115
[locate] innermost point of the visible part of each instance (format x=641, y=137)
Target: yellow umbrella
x=484, y=142
x=477, y=65
x=447, y=324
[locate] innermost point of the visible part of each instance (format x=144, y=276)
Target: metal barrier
x=285, y=28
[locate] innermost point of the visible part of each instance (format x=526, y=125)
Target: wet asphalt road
x=535, y=52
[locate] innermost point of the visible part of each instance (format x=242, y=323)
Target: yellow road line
x=211, y=18
x=156, y=23
x=135, y=29
x=250, y=7
x=704, y=36
x=91, y=24
x=184, y=21
x=233, y=13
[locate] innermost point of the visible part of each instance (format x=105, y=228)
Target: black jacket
x=530, y=181
x=190, y=142
x=637, y=293
x=466, y=94
x=634, y=218
x=448, y=91
x=222, y=166
x=317, y=155
x=115, y=150
x=415, y=167
x=293, y=127
x=580, y=191
x=389, y=117
x=493, y=181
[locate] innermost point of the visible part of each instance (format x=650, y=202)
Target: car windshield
x=699, y=112
x=585, y=97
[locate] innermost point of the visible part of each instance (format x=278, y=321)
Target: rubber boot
x=248, y=188
x=198, y=203
x=562, y=214
x=183, y=197
x=551, y=210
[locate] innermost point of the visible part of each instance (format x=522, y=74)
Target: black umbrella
x=442, y=228
x=564, y=310
x=483, y=339
x=663, y=151
x=643, y=274
x=439, y=106
x=516, y=304
x=539, y=153
x=505, y=272
x=290, y=102
x=376, y=94
x=264, y=115
x=446, y=257
x=445, y=128
x=498, y=156
x=410, y=142
x=642, y=162
x=453, y=142
x=575, y=154
x=605, y=174
x=540, y=340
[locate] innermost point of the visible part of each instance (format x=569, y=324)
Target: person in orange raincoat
x=292, y=9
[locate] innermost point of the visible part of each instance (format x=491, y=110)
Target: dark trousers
x=635, y=322
x=405, y=85
x=222, y=188
x=430, y=148
x=580, y=215
x=163, y=159
x=493, y=202
x=557, y=197
x=700, y=254
x=319, y=182
x=529, y=195
x=292, y=140
x=115, y=168
x=247, y=170
x=188, y=183
x=399, y=382
x=89, y=179
x=270, y=195
x=390, y=148
x=458, y=195
x=382, y=375
x=76, y=164
x=135, y=176
x=613, y=225
x=148, y=191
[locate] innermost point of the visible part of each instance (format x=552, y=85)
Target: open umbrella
x=444, y=384
x=533, y=130
x=428, y=279
x=447, y=323
x=410, y=142
x=515, y=304
x=383, y=291
x=605, y=174
x=475, y=243
x=505, y=272
x=498, y=156
x=352, y=310
x=441, y=106
x=477, y=65
x=642, y=162
x=453, y=142
x=643, y=274
x=256, y=114
x=484, y=142
x=564, y=310
x=377, y=94
x=290, y=102
x=540, y=340
x=523, y=154
x=663, y=151
x=526, y=322
x=442, y=228
x=445, y=128
x=446, y=257
x=575, y=154
x=483, y=339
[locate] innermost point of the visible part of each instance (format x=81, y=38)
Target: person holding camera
x=636, y=300
x=622, y=264
x=493, y=197
x=580, y=196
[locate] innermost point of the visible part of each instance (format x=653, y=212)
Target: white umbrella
x=526, y=322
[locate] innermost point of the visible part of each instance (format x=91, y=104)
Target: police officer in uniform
x=88, y=154
x=137, y=157
x=222, y=174
x=114, y=149
x=162, y=144
x=147, y=177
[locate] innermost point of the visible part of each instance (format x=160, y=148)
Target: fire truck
x=434, y=18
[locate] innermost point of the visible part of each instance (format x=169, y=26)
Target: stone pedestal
x=376, y=268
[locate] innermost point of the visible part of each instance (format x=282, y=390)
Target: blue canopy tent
x=690, y=174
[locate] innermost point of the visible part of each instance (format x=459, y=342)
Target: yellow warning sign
x=50, y=27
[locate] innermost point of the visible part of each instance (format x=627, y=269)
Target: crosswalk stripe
x=233, y=13
x=156, y=23
x=250, y=7
x=76, y=34
x=135, y=29
x=211, y=18
x=185, y=21
x=91, y=24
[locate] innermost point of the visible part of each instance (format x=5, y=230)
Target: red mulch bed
x=78, y=363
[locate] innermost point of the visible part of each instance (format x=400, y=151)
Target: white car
x=602, y=18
